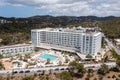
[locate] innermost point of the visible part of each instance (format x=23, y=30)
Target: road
x=48, y=70
x=110, y=44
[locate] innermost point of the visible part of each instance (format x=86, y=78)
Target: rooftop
x=17, y=45
x=73, y=30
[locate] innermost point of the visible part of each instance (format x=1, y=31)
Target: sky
x=27, y=8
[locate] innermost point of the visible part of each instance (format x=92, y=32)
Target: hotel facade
x=82, y=40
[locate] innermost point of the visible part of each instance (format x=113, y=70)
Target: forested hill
x=58, y=19
x=17, y=30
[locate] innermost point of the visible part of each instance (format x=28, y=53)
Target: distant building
x=83, y=40
x=98, y=66
x=16, y=49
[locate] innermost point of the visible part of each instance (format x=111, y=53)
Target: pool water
x=48, y=56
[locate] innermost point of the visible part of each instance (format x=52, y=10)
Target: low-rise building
x=16, y=49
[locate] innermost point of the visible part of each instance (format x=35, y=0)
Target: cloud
x=2, y=3
x=71, y=7
x=77, y=8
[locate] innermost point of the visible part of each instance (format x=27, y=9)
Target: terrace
x=40, y=59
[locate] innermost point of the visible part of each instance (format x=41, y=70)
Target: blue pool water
x=48, y=56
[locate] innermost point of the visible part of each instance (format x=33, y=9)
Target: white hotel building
x=83, y=40
x=16, y=49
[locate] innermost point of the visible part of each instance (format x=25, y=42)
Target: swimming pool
x=48, y=56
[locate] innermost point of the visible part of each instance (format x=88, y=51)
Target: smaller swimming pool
x=48, y=56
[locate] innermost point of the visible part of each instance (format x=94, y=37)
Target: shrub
x=108, y=77
x=88, y=56
x=119, y=75
x=113, y=76
x=115, y=69
x=103, y=70
x=28, y=78
x=117, y=79
x=87, y=79
x=95, y=78
x=100, y=78
x=65, y=76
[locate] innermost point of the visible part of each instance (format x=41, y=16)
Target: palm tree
x=48, y=61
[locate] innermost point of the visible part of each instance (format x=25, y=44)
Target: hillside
x=17, y=30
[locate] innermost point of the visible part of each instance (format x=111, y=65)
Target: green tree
x=43, y=78
x=36, y=49
x=6, y=40
x=115, y=55
x=118, y=65
x=1, y=56
x=90, y=72
x=8, y=77
x=65, y=76
x=78, y=69
x=88, y=56
x=66, y=60
x=28, y=78
x=103, y=70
